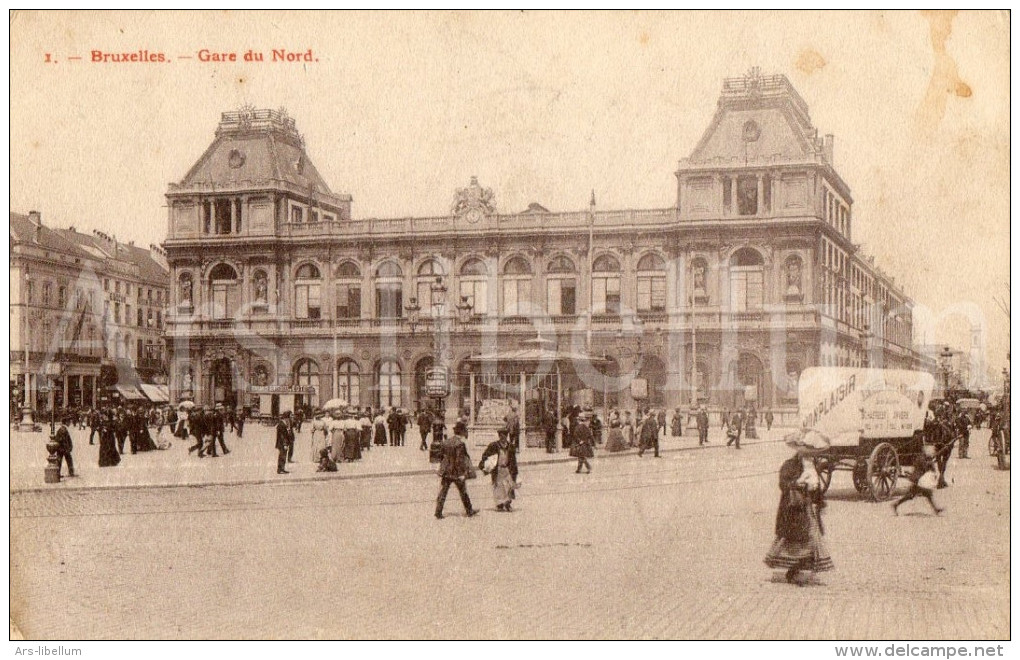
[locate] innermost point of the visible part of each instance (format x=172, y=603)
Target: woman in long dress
x=351, y=429
x=504, y=474
x=380, y=428
x=108, y=455
x=615, y=441
x=799, y=545
x=320, y=436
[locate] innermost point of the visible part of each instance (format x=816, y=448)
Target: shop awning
x=130, y=392
x=156, y=393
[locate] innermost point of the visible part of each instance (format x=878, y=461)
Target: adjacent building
x=279, y=297
x=87, y=315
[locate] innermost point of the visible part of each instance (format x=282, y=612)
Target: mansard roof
x=255, y=149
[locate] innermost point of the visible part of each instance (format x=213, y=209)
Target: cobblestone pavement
x=641, y=548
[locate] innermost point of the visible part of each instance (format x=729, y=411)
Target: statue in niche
x=261, y=288
x=260, y=376
x=699, y=278
x=793, y=281
x=186, y=290
x=186, y=378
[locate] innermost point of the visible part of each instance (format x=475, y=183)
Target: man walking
x=649, y=435
x=455, y=468
x=702, y=420
x=219, y=428
x=196, y=424
x=64, y=446
x=735, y=428
x=424, y=426
x=284, y=442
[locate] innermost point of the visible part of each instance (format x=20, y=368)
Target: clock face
x=473, y=216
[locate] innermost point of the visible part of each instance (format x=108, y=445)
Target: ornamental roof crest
x=473, y=199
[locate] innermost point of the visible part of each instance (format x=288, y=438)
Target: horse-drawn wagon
x=872, y=418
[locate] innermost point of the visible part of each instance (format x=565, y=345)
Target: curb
x=333, y=476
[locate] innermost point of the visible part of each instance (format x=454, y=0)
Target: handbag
x=490, y=464
x=927, y=481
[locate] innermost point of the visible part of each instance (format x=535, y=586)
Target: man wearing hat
x=218, y=428
x=196, y=424
x=649, y=438
x=64, y=446
x=284, y=440
x=582, y=441
x=454, y=469
x=702, y=420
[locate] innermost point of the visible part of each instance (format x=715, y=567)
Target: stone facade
x=752, y=275
x=87, y=314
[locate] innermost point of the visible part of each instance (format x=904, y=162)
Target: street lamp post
x=946, y=357
x=438, y=291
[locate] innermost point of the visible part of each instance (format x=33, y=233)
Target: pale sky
x=400, y=109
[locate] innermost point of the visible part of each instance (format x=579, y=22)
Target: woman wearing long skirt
x=504, y=472
x=799, y=543
x=380, y=428
x=320, y=436
x=351, y=439
x=108, y=455
x=615, y=441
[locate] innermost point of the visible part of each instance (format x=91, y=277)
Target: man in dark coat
x=736, y=427
x=95, y=421
x=649, y=438
x=64, y=446
x=702, y=420
x=582, y=442
x=454, y=469
x=219, y=427
x=121, y=429
x=549, y=425
x=242, y=415
x=424, y=426
x=196, y=424
x=769, y=418
x=284, y=440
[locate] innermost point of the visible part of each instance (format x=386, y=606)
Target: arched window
x=47, y=294
x=224, y=292
x=747, y=270
x=474, y=285
x=389, y=383
x=62, y=297
x=561, y=287
x=389, y=291
x=307, y=292
x=306, y=374
x=605, y=285
x=427, y=274
x=349, y=381
x=516, y=286
x=348, y=291
x=651, y=284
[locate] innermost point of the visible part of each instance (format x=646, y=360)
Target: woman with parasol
x=799, y=545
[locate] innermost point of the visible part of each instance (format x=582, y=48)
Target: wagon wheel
x=825, y=467
x=883, y=471
x=860, y=475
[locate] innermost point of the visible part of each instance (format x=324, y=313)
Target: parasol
x=334, y=404
x=185, y=405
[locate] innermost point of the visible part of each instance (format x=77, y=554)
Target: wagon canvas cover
x=846, y=404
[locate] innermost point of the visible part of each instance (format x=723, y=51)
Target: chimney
x=827, y=145
x=36, y=219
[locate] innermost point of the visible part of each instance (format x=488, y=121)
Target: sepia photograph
x=493, y=325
